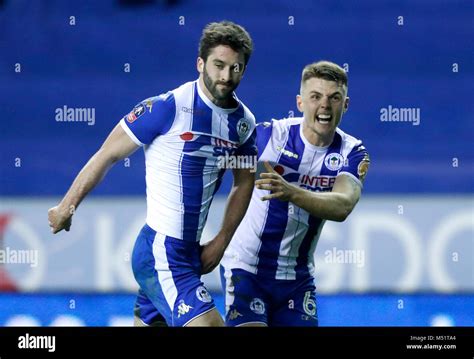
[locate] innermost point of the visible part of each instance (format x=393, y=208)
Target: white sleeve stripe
x=130, y=133
x=352, y=176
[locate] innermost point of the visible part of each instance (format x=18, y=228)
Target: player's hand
x=211, y=254
x=60, y=219
x=279, y=188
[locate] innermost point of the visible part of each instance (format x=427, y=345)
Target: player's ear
x=200, y=65
x=299, y=103
x=346, y=104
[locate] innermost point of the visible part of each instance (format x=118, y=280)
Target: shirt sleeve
x=264, y=132
x=357, y=163
x=150, y=118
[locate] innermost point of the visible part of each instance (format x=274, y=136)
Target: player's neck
x=316, y=139
x=227, y=103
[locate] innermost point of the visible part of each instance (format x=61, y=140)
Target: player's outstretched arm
x=117, y=146
x=237, y=204
x=335, y=205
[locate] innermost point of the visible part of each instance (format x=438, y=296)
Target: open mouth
x=323, y=119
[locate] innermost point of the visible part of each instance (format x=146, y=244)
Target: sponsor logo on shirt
x=318, y=181
x=193, y=111
x=223, y=143
x=223, y=147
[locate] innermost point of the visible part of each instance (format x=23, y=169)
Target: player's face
x=323, y=103
x=222, y=71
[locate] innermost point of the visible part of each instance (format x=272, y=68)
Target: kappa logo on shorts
x=183, y=308
x=203, y=295
x=257, y=306
x=234, y=314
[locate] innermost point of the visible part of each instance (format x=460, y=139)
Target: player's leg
x=168, y=271
x=174, y=286
x=209, y=319
x=145, y=313
x=150, y=308
x=246, y=304
x=299, y=308
x=180, y=273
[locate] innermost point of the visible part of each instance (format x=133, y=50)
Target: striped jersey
x=184, y=134
x=277, y=239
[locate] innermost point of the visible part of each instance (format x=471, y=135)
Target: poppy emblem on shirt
x=187, y=136
x=279, y=169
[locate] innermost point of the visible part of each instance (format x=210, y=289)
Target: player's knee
x=209, y=319
x=137, y=322
x=253, y=324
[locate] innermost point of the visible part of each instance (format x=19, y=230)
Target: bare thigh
x=209, y=319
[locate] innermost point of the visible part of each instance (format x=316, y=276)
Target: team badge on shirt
x=243, y=127
x=334, y=161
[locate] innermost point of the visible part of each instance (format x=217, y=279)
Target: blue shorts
x=250, y=298
x=168, y=271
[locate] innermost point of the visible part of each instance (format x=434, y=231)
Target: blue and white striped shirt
x=277, y=239
x=183, y=134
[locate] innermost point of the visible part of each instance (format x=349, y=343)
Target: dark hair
x=325, y=70
x=225, y=33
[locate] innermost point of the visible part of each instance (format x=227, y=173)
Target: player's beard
x=220, y=95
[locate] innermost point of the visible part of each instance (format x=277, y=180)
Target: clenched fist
x=60, y=219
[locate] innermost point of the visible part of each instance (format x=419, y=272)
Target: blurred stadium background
x=412, y=233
